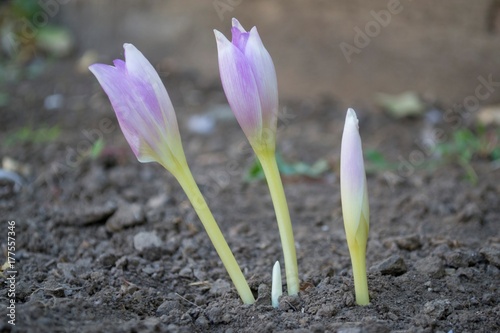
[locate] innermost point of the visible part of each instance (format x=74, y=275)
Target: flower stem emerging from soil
x=189, y=185
x=277, y=287
x=249, y=81
x=148, y=122
x=270, y=167
x=355, y=209
x=358, y=259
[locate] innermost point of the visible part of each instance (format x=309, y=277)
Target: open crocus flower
x=355, y=208
x=249, y=81
x=147, y=119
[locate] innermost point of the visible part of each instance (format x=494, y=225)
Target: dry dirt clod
x=492, y=255
x=220, y=287
x=146, y=239
x=394, y=265
x=327, y=310
x=290, y=303
x=107, y=259
x=263, y=295
x=437, y=309
x=460, y=258
x=432, y=266
x=127, y=215
x=166, y=307
x=84, y=215
x=409, y=243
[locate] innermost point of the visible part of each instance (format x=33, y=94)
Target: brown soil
x=433, y=252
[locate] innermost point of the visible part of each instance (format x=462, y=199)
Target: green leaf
x=54, y=40
x=254, y=172
x=97, y=148
x=403, y=105
x=315, y=170
x=29, y=135
x=376, y=158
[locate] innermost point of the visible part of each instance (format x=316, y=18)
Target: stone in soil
x=437, y=309
x=492, y=255
x=461, y=258
x=431, y=266
x=145, y=240
x=127, y=215
x=84, y=215
x=409, y=243
x=394, y=265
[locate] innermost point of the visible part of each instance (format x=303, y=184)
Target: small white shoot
x=277, y=287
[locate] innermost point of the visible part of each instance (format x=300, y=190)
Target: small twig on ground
x=184, y=298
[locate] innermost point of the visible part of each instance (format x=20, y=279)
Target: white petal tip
x=219, y=36
x=237, y=25
x=351, y=117
x=351, y=112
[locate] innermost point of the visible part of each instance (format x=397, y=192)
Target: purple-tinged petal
x=352, y=177
x=265, y=76
x=143, y=75
x=239, y=35
x=236, y=82
x=143, y=108
x=236, y=24
x=240, y=87
x=120, y=64
x=239, y=39
x=115, y=85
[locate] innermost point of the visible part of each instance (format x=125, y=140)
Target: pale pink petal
x=236, y=24
x=352, y=175
x=115, y=84
x=265, y=77
x=240, y=87
x=144, y=75
x=142, y=106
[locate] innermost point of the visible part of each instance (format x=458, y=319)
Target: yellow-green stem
x=268, y=162
x=189, y=185
x=358, y=260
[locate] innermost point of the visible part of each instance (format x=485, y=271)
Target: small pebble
x=289, y=303
x=53, y=102
x=438, y=308
x=492, y=255
x=394, y=265
x=263, y=295
x=12, y=177
x=409, y=243
x=432, y=266
x=201, y=124
x=166, y=307
x=220, y=287
x=327, y=310
x=146, y=239
x=186, y=272
x=461, y=258
x=107, y=259
x=158, y=201
x=126, y=216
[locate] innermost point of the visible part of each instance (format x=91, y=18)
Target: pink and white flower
x=249, y=81
x=143, y=108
